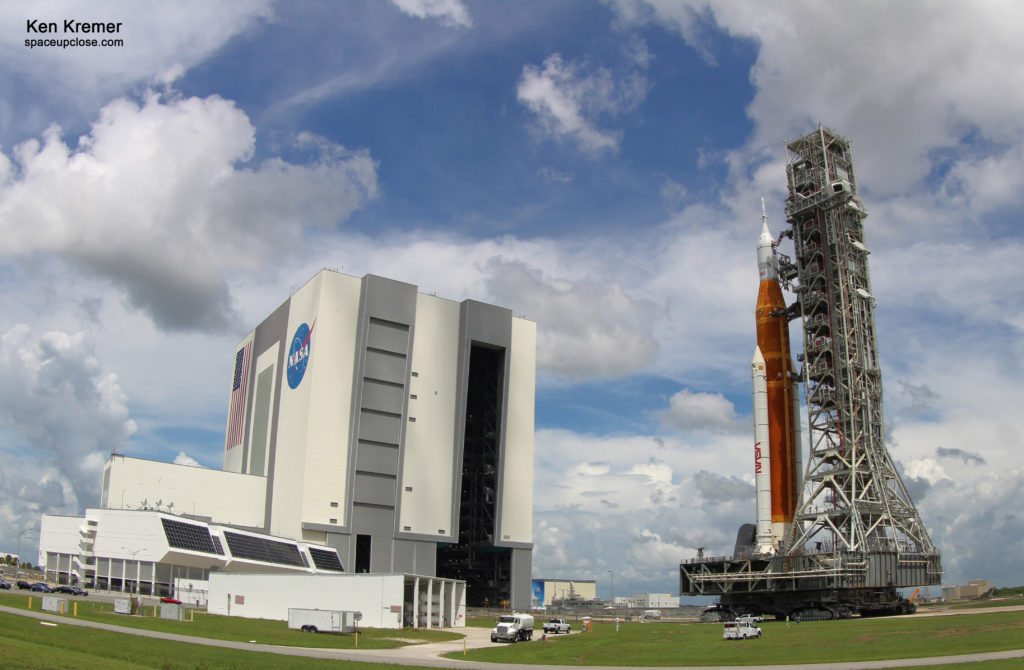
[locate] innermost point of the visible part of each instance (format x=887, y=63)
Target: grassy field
x=240, y=630
x=25, y=644
x=673, y=644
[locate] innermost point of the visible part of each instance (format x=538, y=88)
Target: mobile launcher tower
x=853, y=536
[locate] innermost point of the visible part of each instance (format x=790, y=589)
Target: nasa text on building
x=390, y=428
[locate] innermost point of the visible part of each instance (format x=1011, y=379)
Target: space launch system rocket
x=776, y=405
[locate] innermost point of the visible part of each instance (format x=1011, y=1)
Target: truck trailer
x=322, y=621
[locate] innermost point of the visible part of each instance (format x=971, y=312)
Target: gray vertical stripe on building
x=274, y=329
x=261, y=414
x=387, y=312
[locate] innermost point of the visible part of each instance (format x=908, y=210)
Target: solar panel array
x=262, y=549
x=189, y=536
x=326, y=560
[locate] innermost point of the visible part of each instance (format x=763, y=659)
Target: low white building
x=384, y=601
x=647, y=601
x=148, y=551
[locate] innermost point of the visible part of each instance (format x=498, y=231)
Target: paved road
x=428, y=655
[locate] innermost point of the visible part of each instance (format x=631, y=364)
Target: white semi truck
x=322, y=621
x=513, y=628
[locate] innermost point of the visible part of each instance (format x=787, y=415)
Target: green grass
x=25, y=644
x=668, y=644
x=483, y=621
x=264, y=631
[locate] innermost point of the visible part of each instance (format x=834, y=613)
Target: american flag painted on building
x=239, y=389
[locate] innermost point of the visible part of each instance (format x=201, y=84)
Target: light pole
x=612, y=602
x=134, y=588
x=17, y=571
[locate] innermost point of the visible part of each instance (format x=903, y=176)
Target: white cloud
x=978, y=526
x=702, y=411
x=159, y=201
x=161, y=41
x=592, y=327
x=450, y=12
x=57, y=400
x=591, y=490
x=184, y=459
x=914, y=90
x=672, y=194
x=568, y=101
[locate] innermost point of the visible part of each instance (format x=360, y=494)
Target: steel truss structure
x=856, y=536
x=854, y=499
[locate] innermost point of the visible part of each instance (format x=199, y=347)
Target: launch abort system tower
x=856, y=536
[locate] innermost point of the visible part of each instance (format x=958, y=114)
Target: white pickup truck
x=556, y=626
x=740, y=630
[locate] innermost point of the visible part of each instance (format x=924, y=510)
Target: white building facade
x=647, y=601
x=153, y=553
x=394, y=427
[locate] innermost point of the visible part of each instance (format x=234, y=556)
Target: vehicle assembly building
x=853, y=536
x=389, y=428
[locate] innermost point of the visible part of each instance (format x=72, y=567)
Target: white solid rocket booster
x=762, y=458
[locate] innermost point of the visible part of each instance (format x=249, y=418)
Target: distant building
x=389, y=428
x=647, y=601
x=547, y=592
x=976, y=588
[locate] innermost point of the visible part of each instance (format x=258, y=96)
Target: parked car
x=22, y=584
x=4, y=585
x=749, y=618
x=42, y=587
x=172, y=601
x=70, y=590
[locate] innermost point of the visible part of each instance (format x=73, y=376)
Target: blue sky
x=594, y=166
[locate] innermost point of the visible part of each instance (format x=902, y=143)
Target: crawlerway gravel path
x=430, y=655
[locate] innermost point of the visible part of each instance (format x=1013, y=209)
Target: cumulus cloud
x=161, y=42
x=908, y=90
x=159, y=201
x=977, y=525
x=702, y=411
x=591, y=327
x=568, y=99
x=450, y=12
x=57, y=400
x=184, y=459
x=592, y=489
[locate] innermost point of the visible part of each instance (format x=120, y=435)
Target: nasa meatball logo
x=298, y=354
